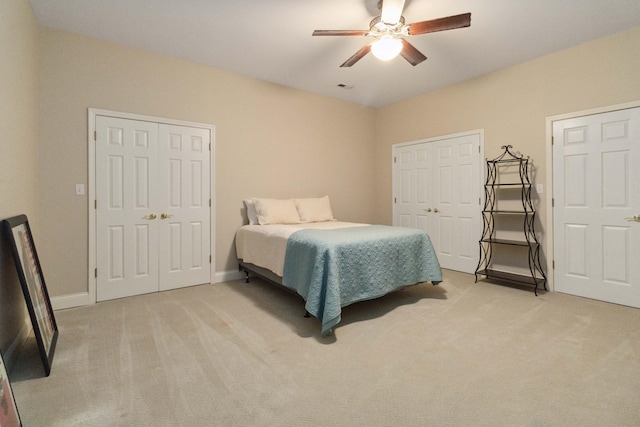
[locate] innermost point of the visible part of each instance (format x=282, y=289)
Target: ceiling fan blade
x=340, y=32
x=357, y=56
x=440, y=24
x=411, y=54
x=391, y=11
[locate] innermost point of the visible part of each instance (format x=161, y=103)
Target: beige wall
x=512, y=105
x=19, y=147
x=271, y=141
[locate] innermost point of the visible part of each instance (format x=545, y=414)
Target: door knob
x=165, y=216
x=435, y=210
x=635, y=218
x=428, y=210
x=151, y=216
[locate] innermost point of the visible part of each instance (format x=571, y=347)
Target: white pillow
x=314, y=210
x=251, y=211
x=275, y=211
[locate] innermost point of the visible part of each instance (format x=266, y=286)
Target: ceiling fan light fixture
x=386, y=48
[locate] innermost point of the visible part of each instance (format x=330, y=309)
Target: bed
x=297, y=243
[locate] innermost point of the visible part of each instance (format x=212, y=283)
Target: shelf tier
x=510, y=242
x=508, y=212
x=512, y=277
x=498, y=161
x=511, y=184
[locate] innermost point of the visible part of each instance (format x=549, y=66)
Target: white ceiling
x=271, y=39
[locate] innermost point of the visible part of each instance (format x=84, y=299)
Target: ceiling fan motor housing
x=377, y=28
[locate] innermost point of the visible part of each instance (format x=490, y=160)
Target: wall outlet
x=79, y=189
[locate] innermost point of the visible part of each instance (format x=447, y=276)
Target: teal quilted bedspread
x=331, y=269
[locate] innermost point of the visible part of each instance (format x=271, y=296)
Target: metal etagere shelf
x=491, y=210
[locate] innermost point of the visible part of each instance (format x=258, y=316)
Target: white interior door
x=437, y=189
x=126, y=202
x=185, y=217
x=153, y=214
x=596, y=169
x=413, y=188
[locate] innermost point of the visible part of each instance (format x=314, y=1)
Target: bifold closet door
x=184, y=195
x=437, y=189
x=127, y=203
x=153, y=214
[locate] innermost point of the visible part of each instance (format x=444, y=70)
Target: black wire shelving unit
x=529, y=242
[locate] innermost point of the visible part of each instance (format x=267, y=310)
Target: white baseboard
x=70, y=301
x=82, y=298
x=227, y=276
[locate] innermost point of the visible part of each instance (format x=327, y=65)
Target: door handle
x=151, y=216
x=165, y=216
x=428, y=210
x=436, y=210
x=635, y=218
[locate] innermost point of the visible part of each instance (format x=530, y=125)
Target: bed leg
x=307, y=314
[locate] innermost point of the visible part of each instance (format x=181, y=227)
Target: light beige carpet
x=235, y=354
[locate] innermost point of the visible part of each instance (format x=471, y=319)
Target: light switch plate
x=79, y=189
x=539, y=188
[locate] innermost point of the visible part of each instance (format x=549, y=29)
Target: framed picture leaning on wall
x=33, y=286
x=9, y=416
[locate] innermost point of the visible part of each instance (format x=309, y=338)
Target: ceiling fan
x=389, y=29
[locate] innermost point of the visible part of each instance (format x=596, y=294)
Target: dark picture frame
x=9, y=415
x=33, y=286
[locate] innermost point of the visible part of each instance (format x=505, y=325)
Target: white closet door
x=413, y=188
x=596, y=169
x=456, y=182
x=184, y=192
x=437, y=189
x=126, y=199
x=153, y=207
